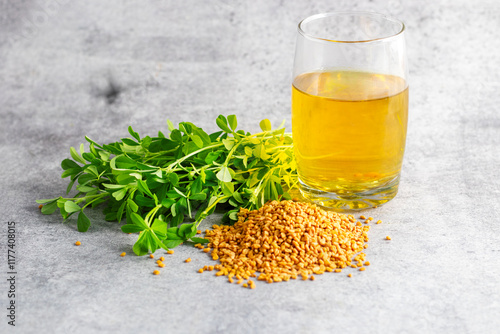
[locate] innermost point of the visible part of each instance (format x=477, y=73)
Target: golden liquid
x=349, y=129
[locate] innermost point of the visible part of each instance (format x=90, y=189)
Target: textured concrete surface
x=187, y=60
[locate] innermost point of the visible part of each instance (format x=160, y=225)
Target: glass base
x=354, y=201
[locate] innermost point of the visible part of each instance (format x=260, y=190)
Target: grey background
x=193, y=60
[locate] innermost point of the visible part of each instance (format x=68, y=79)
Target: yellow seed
x=78, y=243
x=210, y=268
x=370, y=218
x=161, y=264
x=230, y=280
x=198, y=231
x=151, y=256
x=156, y=272
x=219, y=273
x=239, y=281
x=367, y=263
x=245, y=285
x=388, y=238
x=123, y=254
x=162, y=258
x=350, y=275
x=338, y=270
x=379, y=222
x=362, y=217
x=187, y=260
x=362, y=269
x=200, y=270
x=170, y=252
x=40, y=206
x=206, y=250
x=312, y=278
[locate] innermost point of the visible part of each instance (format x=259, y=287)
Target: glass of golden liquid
x=349, y=108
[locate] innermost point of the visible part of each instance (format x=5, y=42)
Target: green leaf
x=228, y=143
x=173, y=178
x=197, y=140
x=265, y=125
x=198, y=197
x=141, y=246
x=187, y=230
x=224, y=174
x=70, y=206
x=133, y=133
x=237, y=196
x=222, y=123
x=159, y=226
x=130, y=228
x=43, y=201
x=83, y=222
x=169, y=243
x=118, y=195
x=76, y=156
x=233, y=123
x=143, y=187
x=199, y=240
x=228, y=188
x=137, y=220
x=68, y=163
x=170, y=125
x=49, y=208
x=70, y=171
x=132, y=205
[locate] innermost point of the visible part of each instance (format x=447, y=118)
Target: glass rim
x=329, y=14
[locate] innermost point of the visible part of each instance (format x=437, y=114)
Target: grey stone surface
x=193, y=60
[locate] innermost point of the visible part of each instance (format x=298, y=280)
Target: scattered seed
x=245, y=285
x=367, y=263
x=40, y=206
x=206, y=250
x=162, y=258
x=161, y=264
x=156, y=272
x=350, y=275
x=78, y=243
x=362, y=269
x=123, y=254
x=170, y=252
x=198, y=231
x=151, y=256
x=187, y=260
x=312, y=278
x=362, y=217
x=200, y=270
x=388, y=238
x=379, y=222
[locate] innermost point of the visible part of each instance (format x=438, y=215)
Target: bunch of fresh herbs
x=158, y=183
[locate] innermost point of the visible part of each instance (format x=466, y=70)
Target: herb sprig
x=156, y=183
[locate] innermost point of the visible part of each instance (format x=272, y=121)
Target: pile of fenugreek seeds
x=285, y=240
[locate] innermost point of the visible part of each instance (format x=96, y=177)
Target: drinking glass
x=349, y=108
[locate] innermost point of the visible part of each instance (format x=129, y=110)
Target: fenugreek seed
x=215, y=257
x=245, y=285
x=210, y=268
x=358, y=224
x=170, y=252
x=388, y=238
x=379, y=222
x=198, y=231
x=187, y=260
x=230, y=280
x=239, y=281
x=161, y=264
x=151, y=256
x=40, y=206
x=123, y=254
x=200, y=270
x=350, y=275
x=78, y=243
x=338, y=270
x=313, y=278
x=362, y=217
x=156, y=272
x=367, y=263
x=206, y=250
x=370, y=218
x=219, y=273
x=362, y=269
